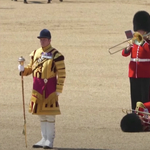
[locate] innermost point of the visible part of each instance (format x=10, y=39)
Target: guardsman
x=139, y=72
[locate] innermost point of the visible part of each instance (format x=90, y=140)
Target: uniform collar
x=46, y=48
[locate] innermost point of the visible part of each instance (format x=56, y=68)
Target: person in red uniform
x=139, y=72
x=137, y=121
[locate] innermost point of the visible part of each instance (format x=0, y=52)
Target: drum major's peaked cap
x=141, y=21
x=45, y=34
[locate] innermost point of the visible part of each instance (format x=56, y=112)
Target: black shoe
x=61, y=0
x=47, y=147
x=49, y=1
x=25, y=2
x=37, y=146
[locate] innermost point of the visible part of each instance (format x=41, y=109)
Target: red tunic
x=139, y=69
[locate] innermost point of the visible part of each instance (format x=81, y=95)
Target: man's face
x=44, y=42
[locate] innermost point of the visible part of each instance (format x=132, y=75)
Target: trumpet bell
x=137, y=38
x=137, y=42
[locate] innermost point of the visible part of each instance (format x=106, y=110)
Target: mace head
x=21, y=60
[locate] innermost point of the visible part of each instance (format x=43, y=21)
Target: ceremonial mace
x=21, y=62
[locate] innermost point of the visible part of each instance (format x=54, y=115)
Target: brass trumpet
x=145, y=114
x=127, y=111
x=136, y=39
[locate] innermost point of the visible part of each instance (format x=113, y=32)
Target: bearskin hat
x=141, y=21
x=131, y=123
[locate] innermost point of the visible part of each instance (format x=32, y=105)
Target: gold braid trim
x=42, y=105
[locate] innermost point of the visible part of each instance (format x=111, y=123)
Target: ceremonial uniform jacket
x=48, y=70
x=139, y=66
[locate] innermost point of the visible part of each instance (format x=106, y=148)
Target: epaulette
x=57, y=55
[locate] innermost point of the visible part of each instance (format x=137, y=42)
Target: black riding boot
x=49, y=1
x=25, y=1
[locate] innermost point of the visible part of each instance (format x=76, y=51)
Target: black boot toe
x=47, y=147
x=37, y=146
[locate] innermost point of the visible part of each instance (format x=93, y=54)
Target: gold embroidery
x=39, y=69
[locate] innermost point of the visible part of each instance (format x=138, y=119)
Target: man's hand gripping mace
x=21, y=62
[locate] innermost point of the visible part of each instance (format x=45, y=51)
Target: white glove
x=57, y=93
x=20, y=68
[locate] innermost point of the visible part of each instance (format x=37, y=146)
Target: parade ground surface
x=97, y=85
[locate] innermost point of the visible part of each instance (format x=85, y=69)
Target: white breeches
x=47, y=118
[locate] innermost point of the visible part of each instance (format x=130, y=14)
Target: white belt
x=140, y=60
